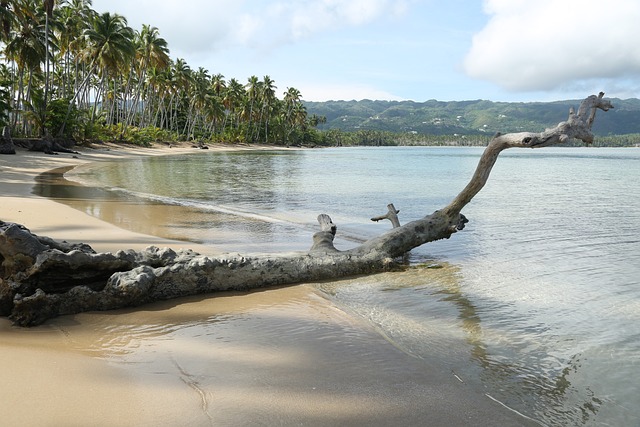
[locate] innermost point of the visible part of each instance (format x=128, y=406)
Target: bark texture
x=6, y=143
x=47, y=145
x=41, y=278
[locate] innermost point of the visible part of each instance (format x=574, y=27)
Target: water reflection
x=115, y=334
x=53, y=185
x=534, y=390
x=430, y=316
x=227, y=231
x=544, y=298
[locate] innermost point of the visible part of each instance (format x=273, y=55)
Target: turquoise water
x=536, y=302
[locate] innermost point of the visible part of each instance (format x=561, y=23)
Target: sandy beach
x=285, y=356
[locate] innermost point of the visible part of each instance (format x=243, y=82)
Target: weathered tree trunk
x=391, y=215
x=42, y=278
x=47, y=145
x=6, y=143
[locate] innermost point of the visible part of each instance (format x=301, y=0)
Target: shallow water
x=541, y=291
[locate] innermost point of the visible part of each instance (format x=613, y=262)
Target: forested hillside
x=477, y=117
x=69, y=72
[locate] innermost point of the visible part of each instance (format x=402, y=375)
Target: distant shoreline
x=20, y=205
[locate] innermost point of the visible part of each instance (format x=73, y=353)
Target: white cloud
x=551, y=44
x=332, y=92
x=288, y=21
x=192, y=26
x=188, y=25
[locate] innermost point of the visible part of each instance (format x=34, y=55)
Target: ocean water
x=536, y=302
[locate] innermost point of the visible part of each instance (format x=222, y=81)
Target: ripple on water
x=540, y=291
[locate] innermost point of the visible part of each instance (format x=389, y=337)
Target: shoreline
x=284, y=356
x=20, y=205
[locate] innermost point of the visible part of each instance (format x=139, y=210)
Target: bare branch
x=323, y=240
x=36, y=273
x=391, y=215
x=577, y=126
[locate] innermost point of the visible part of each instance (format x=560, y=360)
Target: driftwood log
x=6, y=142
x=391, y=215
x=41, y=278
x=47, y=144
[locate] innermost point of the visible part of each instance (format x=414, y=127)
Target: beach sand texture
x=284, y=356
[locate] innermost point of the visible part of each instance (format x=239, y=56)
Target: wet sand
x=283, y=356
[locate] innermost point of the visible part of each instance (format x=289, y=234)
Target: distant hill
x=468, y=117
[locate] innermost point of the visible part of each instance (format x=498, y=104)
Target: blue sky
x=449, y=50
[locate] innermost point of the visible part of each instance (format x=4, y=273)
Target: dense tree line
x=476, y=118
x=337, y=137
x=69, y=71
x=627, y=140
x=368, y=137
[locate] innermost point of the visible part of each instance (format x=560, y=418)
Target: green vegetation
x=70, y=72
x=74, y=73
x=342, y=138
x=463, y=122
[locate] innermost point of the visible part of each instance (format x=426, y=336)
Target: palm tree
x=75, y=16
x=218, y=84
x=152, y=52
x=292, y=102
x=199, y=94
x=268, y=97
x=26, y=47
x=155, y=84
x=110, y=42
x=64, y=51
x=109, y=48
x=179, y=80
x=253, y=95
x=5, y=96
x=215, y=112
x=6, y=20
x=48, y=9
x=233, y=99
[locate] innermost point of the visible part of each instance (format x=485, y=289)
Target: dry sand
x=275, y=357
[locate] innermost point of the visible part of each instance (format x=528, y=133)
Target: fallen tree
x=6, y=142
x=47, y=144
x=41, y=278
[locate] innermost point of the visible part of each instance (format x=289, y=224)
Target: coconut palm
x=292, y=103
x=199, y=94
x=75, y=16
x=253, y=88
x=153, y=52
x=233, y=100
x=215, y=112
x=153, y=96
x=6, y=20
x=48, y=15
x=268, y=98
x=178, y=80
x=216, y=109
x=218, y=84
x=26, y=48
x=67, y=51
x=110, y=48
x=110, y=42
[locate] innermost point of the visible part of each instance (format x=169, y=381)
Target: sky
x=448, y=50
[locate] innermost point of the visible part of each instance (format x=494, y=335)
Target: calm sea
x=536, y=302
